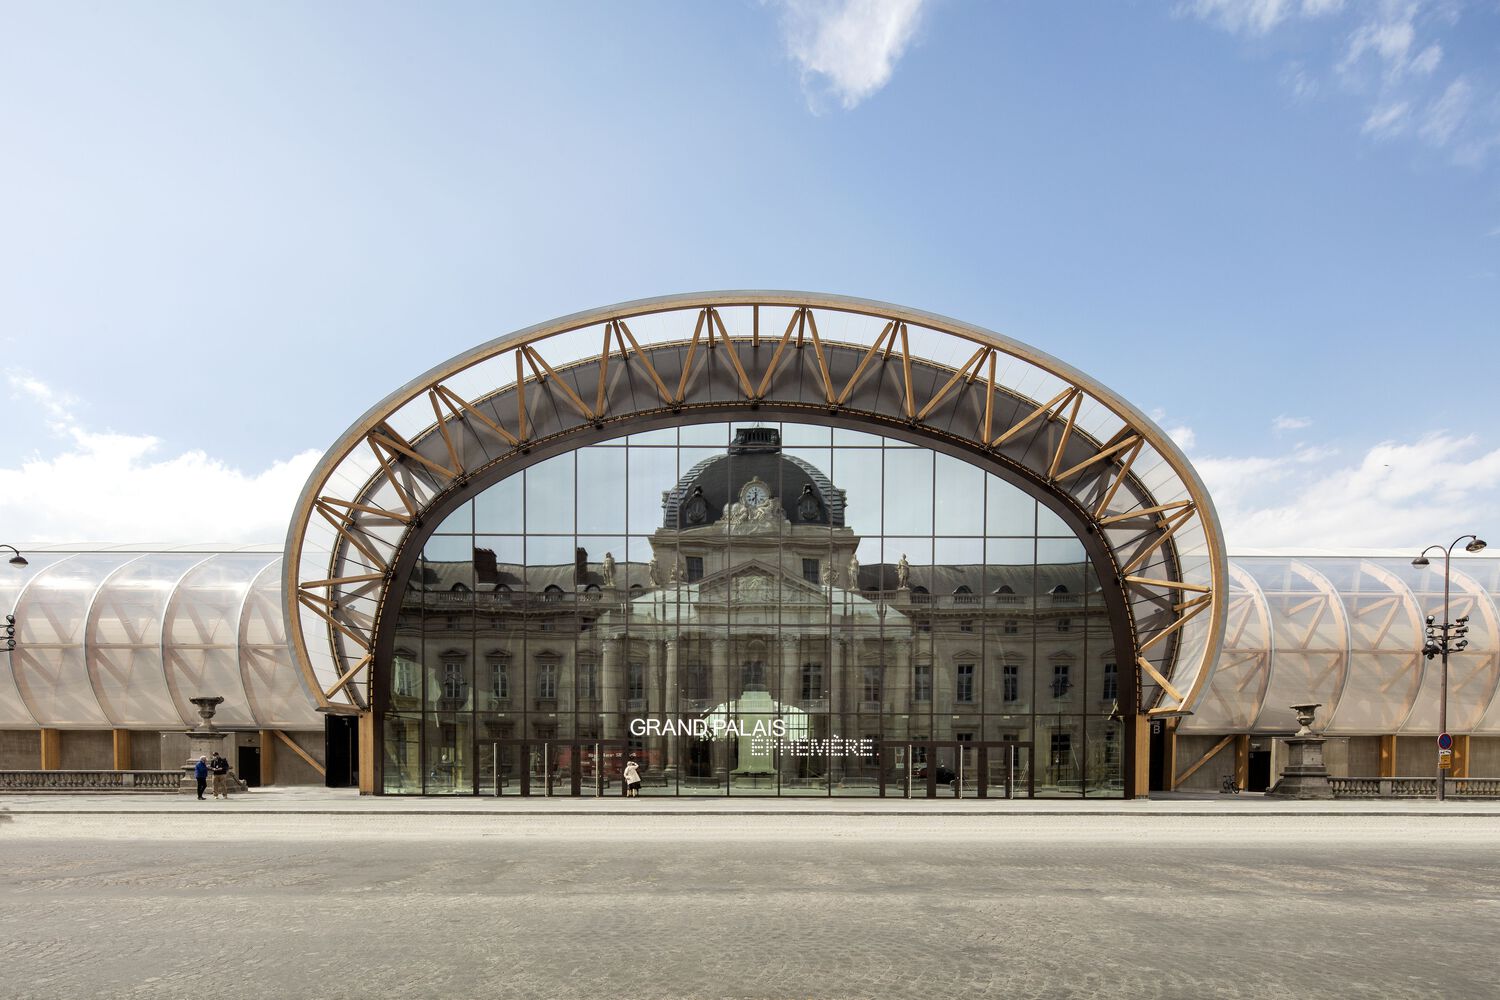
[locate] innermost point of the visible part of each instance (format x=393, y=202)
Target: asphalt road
x=748, y=907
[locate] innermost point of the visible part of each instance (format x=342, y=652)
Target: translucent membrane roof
x=121, y=639
x=952, y=386
x=1346, y=632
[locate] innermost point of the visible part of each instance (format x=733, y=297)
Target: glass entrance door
x=576, y=767
x=959, y=768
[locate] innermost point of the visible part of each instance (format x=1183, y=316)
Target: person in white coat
x=632, y=777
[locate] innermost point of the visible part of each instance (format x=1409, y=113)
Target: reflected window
x=697, y=681
x=1011, y=678
x=454, y=688
x=921, y=682
x=1064, y=625
x=753, y=675
x=812, y=681
x=588, y=680
x=964, y=690
x=811, y=571
x=1011, y=628
x=694, y=568
x=546, y=681
x=404, y=683
x=635, y=681
x=1061, y=763
x=499, y=679
x=1111, y=689
x=871, y=684
x=1061, y=682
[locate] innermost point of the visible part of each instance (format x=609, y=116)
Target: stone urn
x=1304, y=715
x=207, y=708
x=1306, y=774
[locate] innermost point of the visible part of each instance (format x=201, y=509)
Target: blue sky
x=226, y=230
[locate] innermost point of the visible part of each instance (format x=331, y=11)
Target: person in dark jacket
x=219, y=766
x=200, y=771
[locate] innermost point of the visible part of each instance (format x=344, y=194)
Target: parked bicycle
x=1228, y=785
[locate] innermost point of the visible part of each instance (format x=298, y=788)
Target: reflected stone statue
x=608, y=568
x=903, y=574
x=653, y=573
x=808, y=507
x=854, y=572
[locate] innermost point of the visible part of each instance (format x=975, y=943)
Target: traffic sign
x=1445, y=742
x=1445, y=760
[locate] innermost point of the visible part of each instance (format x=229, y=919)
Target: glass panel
x=601, y=490
x=549, y=495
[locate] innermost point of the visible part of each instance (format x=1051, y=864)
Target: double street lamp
x=1444, y=638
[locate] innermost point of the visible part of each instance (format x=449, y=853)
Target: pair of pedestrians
x=216, y=766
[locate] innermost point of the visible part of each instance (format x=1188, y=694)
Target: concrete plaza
x=308, y=893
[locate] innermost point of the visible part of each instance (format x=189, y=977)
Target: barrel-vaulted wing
x=955, y=387
x=122, y=639
x=1346, y=632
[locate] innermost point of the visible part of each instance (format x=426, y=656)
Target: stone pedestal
x=1306, y=776
x=205, y=741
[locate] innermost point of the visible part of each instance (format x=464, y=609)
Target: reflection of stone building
x=754, y=585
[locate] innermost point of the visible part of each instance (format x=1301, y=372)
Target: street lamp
x=8, y=630
x=1445, y=638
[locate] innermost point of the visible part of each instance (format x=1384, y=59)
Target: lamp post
x=1445, y=638
x=8, y=630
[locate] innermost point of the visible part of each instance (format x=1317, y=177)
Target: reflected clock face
x=755, y=494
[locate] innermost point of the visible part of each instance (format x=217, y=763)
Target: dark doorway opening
x=1159, y=781
x=341, y=751
x=247, y=765
x=1258, y=778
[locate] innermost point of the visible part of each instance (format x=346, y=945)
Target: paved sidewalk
x=273, y=801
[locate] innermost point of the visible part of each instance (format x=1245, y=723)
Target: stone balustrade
x=1413, y=788
x=90, y=781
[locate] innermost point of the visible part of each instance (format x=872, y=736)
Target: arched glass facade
x=756, y=609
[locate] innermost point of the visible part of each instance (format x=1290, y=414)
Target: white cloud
x=1427, y=60
x=1389, y=121
x=1184, y=437
x=1387, y=55
x=851, y=47
x=1398, y=494
x=1256, y=17
x=1302, y=84
x=111, y=487
x=1390, y=39
x=1286, y=423
x=1447, y=112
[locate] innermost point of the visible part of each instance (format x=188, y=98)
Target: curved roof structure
x=121, y=639
x=1346, y=632
x=1083, y=450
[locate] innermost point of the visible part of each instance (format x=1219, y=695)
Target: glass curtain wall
x=766, y=609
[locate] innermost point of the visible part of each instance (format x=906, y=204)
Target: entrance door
x=959, y=768
x=572, y=767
